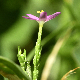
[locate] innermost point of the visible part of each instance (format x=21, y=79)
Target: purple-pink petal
x=32, y=16
x=43, y=16
x=52, y=16
x=28, y=18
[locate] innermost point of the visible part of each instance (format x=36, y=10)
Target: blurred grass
x=16, y=31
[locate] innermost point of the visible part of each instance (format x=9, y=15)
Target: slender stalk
x=37, y=53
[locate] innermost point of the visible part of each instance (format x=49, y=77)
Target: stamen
x=40, y=12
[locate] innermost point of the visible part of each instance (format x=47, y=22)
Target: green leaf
x=76, y=54
x=11, y=70
x=1, y=77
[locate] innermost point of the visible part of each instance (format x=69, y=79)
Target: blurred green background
x=16, y=31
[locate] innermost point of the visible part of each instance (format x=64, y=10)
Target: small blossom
x=43, y=16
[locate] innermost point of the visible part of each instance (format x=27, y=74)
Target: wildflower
x=41, y=20
x=43, y=16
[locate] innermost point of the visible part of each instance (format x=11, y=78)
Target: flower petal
x=28, y=18
x=43, y=16
x=52, y=16
x=32, y=17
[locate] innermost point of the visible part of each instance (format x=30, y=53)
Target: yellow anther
x=40, y=12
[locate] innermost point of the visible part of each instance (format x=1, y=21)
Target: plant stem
x=37, y=53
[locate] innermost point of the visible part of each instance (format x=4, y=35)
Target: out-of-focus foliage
x=11, y=70
x=16, y=31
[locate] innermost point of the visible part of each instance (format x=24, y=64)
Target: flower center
x=43, y=16
x=40, y=12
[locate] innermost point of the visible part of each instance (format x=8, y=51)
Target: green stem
x=37, y=53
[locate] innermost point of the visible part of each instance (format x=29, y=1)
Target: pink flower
x=43, y=16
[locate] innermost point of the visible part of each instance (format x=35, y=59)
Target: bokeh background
x=16, y=31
